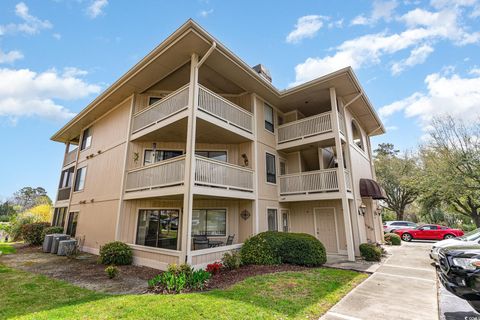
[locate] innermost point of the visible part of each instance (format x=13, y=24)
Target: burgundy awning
x=371, y=189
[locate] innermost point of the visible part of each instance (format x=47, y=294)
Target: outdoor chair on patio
x=200, y=243
x=230, y=240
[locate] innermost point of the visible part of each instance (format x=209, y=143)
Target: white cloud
x=306, y=27
x=10, y=57
x=31, y=24
x=336, y=24
x=446, y=94
x=475, y=71
x=417, y=56
x=26, y=93
x=422, y=28
x=57, y=36
x=205, y=13
x=381, y=10
x=96, y=8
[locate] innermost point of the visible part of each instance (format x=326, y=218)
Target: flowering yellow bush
x=41, y=212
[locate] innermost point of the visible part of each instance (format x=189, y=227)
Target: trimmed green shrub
x=111, y=271
x=231, y=260
x=51, y=230
x=32, y=232
x=392, y=239
x=279, y=247
x=370, y=252
x=116, y=253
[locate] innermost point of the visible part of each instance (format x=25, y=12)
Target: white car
x=468, y=239
x=391, y=226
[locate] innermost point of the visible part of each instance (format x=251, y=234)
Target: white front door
x=326, y=228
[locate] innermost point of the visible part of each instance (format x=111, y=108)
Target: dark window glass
x=66, y=178
x=283, y=168
x=158, y=228
x=153, y=100
x=272, y=219
x=160, y=155
x=269, y=125
x=59, y=216
x=216, y=155
x=80, y=179
x=86, y=139
x=285, y=221
x=271, y=172
x=209, y=222
x=72, y=224
x=357, y=135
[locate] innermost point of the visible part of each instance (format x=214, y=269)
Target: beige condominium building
x=192, y=151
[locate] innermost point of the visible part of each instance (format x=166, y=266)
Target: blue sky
x=415, y=59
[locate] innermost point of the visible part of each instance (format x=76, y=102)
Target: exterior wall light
x=362, y=209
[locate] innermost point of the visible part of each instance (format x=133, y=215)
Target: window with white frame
x=357, y=135
x=271, y=168
x=86, y=139
x=269, y=124
x=80, y=179
x=272, y=219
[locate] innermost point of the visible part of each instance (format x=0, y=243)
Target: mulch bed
x=226, y=278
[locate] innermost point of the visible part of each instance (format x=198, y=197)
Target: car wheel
x=475, y=304
x=449, y=236
x=406, y=237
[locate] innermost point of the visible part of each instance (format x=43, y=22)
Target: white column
x=189, y=163
x=341, y=177
x=255, y=213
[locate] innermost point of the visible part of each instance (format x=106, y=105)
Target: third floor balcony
x=307, y=131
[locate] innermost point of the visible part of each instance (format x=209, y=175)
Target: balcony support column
x=189, y=180
x=341, y=177
x=359, y=233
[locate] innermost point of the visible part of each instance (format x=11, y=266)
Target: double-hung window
x=269, y=124
x=271, y=170
x=80, y=179
x=86, y=139
x=272, y=219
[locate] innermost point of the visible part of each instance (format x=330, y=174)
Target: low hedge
x=116, y=253
x=32, y=232
x=51, y=230
x=272, y=247
x=370, y=252
x=392, y=239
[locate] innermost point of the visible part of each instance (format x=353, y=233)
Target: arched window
x=357, y=135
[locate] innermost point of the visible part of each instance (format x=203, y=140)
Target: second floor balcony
x=307, y=130
x=320, y=182
x=212, y=177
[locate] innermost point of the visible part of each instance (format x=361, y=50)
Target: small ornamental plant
x=111, y=272
x=214, y=268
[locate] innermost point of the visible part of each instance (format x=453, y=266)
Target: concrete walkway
x=404, y=287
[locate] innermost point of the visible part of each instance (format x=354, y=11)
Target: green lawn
x=286, y=295
x=6, y=248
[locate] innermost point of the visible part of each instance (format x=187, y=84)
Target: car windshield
x=471, y=236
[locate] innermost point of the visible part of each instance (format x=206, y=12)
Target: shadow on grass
x=24, y=293
x=304, y=295
x=309, y=293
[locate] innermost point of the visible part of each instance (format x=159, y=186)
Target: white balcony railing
x=306, y=182
x=348, y=180
x=216, y=173
x=223, y=109
x=166, y=107
x=161, y=174
x=305, y=127
x=70, y=157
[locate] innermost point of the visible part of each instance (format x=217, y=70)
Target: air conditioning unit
x=56, y=240
x=47, y=242
x=66, y=246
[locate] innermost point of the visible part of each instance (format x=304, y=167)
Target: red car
x=429, y=232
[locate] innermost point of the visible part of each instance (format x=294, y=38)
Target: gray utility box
x=66, y=246
x=47, y=242
x=56, y=240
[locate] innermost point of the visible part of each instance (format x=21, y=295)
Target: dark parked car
x=459, y=273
